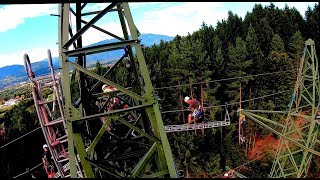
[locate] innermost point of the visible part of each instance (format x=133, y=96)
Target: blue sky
x=34, y=31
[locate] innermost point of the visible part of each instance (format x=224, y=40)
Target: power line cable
x=224, y=79
x=28, y=170
x=20, y=137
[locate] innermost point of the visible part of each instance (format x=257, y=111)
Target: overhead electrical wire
x=20, y=137
x=224, y=79
x=28, y=170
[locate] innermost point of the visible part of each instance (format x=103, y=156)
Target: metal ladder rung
x=49, y=79
x=62, y=137
x=47, y=102
x=42, y=77
x=50, y=85
x=63, y=160
x=65, y=168
x=60, y=120
x=63, y=141
x=61, y=156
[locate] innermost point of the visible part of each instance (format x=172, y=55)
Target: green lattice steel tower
x=146, y=155
x=300, y=129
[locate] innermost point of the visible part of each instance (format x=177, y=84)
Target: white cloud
x=180, y=19
x=188, y=17
x=14, y=15
x=36, y=54
x=136, y=5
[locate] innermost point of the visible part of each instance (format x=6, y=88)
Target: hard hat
x=104, y=86
x=186, y=98
x=45, y=146
x=226, y=174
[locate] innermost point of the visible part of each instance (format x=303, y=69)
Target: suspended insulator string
x=225, y=79
x=28, y=170
x=222, y=105
x=20, y=137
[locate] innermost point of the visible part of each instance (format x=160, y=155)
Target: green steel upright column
x=72, y=113
x=124, y=155
x=300, y=129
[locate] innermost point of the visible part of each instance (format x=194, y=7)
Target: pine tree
x=238, y=66
x=219, y=63
x=296, y=48
x=263, y=30
x=255, y=54
x=277, y=43
x=279, y=60
x=312, y=28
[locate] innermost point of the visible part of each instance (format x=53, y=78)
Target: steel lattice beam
x=145, y=104
x=301, y=127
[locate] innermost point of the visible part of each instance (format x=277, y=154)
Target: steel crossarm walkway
x=185, y=127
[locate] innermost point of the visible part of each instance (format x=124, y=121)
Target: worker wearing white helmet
x=46, y=160
x=196, y=109
x=226, y=175
x=186, y=98
x=45, y=157
x=229, y=174
x=45, y=146
x=106, y=88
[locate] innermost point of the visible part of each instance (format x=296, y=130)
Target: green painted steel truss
x=300, y=126
x=146, y=155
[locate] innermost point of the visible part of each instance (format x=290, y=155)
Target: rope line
x=222, y=105
x=241, y=165
x=225, y=79
x=28, y=171
x=20, y=137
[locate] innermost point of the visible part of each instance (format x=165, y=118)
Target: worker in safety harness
x=242, y=119
x=111, y=102
x=195, y=107
x=114, y=103
x=47, y=162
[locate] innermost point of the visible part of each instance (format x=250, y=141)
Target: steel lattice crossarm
x=147, y=154
x=299, y=132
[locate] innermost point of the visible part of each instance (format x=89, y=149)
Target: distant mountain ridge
x=13, y=74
